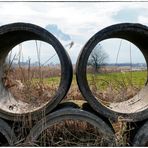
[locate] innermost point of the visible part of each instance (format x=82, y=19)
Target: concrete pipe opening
x=71, y=127
x=131, y=109
x=11, y=35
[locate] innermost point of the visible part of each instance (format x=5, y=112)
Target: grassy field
x=116, y=87
x=137, y=78
x=110, y=87
x=104, y=86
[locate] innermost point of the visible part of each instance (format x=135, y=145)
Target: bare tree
x=97, y=58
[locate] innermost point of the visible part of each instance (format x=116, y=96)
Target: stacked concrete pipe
x=99, y=115
x=12, y=35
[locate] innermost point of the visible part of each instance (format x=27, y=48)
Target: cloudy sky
x=79, y=20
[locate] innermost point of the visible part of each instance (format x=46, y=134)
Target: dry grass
x=25, y=84
x=36, y=85
x=72, y=133
x=116, y=86
x=116, y=90
x=31, y=85
x=36, y=91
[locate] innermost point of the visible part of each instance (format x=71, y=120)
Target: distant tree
x=97, y=58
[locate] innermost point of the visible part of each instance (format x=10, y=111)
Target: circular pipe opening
x=71, y=127
x=12, y=35
x=31, y=79
x=133, y=109
x=116, y=72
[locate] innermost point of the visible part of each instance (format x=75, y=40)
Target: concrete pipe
x=134, y=109
x=12, y=35
x=8, y=137
x=141, y=137
x=74, y=114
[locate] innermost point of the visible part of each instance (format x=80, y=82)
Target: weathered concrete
x=136, y=108
x=12, y=35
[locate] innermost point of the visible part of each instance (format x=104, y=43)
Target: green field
x=49, y=81
x=116, y=87
x=136, y=79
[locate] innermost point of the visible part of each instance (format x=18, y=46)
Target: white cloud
x=143, y=19
x=80, y=20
